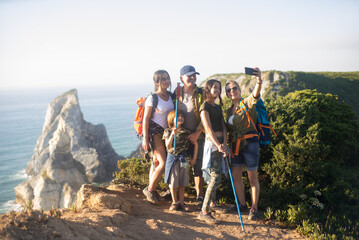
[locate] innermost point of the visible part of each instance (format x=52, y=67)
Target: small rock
x=56, y=234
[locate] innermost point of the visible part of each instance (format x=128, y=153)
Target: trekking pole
x=174, y=141
x=235, y=194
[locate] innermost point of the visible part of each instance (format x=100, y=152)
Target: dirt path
x=144, y=221
x=157, y=222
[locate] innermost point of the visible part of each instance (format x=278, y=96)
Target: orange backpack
x=138, y=123
x=139, y=115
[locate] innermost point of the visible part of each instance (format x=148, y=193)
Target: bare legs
x=158, y=167
x=178, y=194
x=255, y=189
x=239, y=186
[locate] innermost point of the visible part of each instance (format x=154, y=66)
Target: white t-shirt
x=163, y=108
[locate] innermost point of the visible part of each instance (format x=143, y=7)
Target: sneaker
x=150, y=196
x=243, y=208
x=199, y=202
x=253, y=214
x=208, y=218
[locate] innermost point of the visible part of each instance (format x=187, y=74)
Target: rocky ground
x=121, y=212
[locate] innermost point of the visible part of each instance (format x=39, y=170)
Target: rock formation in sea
x=69, y=152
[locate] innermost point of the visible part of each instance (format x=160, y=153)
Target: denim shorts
x=249, y=156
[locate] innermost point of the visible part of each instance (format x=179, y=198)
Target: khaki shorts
x=179, y=176
x=157, y=141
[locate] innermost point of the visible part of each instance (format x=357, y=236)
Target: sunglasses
x=228, y=90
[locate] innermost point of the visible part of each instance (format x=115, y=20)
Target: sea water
x=22, y=115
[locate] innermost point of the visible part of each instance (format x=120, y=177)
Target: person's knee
x=217, y=181
x=253, y=180
x=237, y=176
x=161, y=167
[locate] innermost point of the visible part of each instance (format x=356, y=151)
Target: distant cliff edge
x=343, y=84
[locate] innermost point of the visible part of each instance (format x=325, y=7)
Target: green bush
x=316, y=149
x=135, y=171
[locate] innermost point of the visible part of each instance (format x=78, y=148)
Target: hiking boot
x=253, y=214
x=199, y=202
x=243, y=208
x=208, y=218
x=150, y=195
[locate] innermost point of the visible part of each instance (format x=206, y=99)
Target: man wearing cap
x=190, y=100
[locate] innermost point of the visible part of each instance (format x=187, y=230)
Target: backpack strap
x=200, y=93
x=155, y=100
x=266, y=126
x=243, y=108
x=238, y=143
x=154, y=103
x=173, y=97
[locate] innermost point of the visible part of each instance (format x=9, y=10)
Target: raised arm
x=257, y=89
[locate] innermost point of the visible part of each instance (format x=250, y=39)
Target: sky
x=91, y=43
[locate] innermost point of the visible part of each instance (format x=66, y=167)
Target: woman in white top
x=154, y=123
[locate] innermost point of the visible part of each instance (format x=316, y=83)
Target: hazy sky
x=80, y=43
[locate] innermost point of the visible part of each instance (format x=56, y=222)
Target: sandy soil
x=143, y=221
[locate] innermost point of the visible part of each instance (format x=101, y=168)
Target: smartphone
x=249, y=71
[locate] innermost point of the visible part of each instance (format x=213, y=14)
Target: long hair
x=157, y=77
x=171, y=116
x=207, y=89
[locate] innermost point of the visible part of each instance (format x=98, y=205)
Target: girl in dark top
x=215, y=144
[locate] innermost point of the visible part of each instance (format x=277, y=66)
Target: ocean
x=22, y=114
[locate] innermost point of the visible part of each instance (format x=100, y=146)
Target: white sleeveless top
x=163, y=108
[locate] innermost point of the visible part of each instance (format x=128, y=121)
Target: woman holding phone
x=244, y=140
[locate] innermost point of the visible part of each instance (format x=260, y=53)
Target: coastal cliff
x=69, y=152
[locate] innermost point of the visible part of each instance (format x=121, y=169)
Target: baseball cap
x=188, y=70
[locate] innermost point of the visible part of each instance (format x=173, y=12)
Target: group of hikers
x=196, y=131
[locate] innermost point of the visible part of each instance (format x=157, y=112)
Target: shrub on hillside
x=316, y=151
x=135, y=171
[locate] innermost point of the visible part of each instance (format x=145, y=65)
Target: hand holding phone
x=249, y=71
